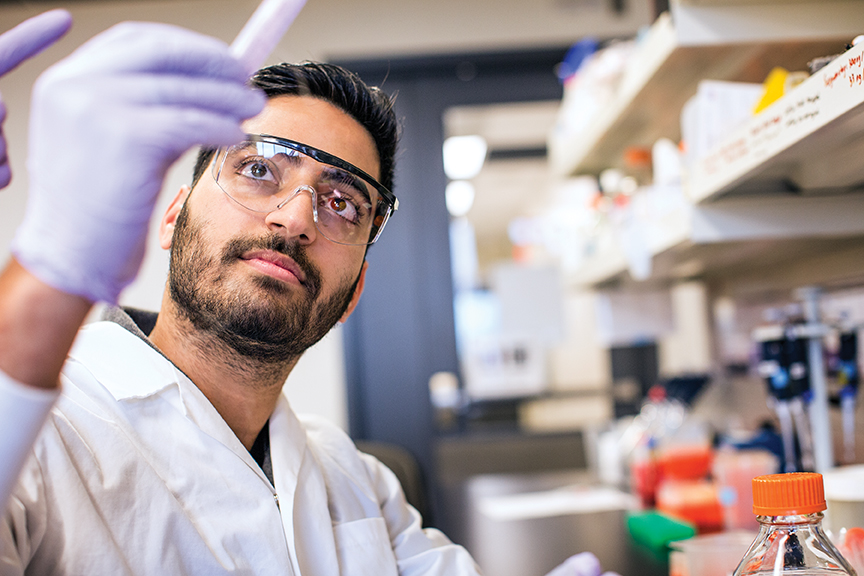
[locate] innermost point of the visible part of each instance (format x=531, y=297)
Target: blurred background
x=627, y=272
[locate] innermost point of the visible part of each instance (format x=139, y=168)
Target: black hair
x=369, y=105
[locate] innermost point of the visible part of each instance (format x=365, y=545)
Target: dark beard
x=269, y=330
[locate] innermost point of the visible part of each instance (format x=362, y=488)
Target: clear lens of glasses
x=264, y=173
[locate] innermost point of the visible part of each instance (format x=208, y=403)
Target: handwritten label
x=850, y=73
x=803, y=109
x=830, y=79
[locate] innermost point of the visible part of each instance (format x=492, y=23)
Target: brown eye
x=338, y=204
x=258, y=170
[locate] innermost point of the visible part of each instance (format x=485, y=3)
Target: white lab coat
x=135, y=472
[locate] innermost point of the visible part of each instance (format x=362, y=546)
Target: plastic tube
x=847, y=404
x=823, y=448
x=802, y=430
x=784, y=415
x=850, y=378
x=263, y=31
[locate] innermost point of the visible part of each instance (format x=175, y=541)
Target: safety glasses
x=263, y=173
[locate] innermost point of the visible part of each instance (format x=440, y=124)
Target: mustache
x=239, y=246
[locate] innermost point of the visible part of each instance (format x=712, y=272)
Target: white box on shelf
x=717, y=108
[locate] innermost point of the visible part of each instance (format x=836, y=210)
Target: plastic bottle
x=791, y=540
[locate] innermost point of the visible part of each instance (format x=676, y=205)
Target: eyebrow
x=346, y=177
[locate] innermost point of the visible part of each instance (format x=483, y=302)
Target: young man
x=171, y=449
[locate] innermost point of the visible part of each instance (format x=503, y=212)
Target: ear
x=358, y=290
x=169, y=219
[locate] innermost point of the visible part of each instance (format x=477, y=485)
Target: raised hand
x=106, y=124
x=17, y=45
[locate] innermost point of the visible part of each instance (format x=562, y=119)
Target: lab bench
x=533, y=544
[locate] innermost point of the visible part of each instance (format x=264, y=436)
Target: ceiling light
x=464, y=156
x=460, y=197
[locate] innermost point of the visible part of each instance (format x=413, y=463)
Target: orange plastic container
x=643, y=476
x=696, y=501
x=685, y=462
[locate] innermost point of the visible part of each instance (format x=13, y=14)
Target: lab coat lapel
x=201, y=411
x=302, y=496
x=152, y=374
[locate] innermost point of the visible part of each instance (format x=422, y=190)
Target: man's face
x=269, y=285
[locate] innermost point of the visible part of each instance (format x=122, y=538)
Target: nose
x=295, y=215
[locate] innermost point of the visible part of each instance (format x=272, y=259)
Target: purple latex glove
x=106, y=125
x=584, y=564
x=17, y=45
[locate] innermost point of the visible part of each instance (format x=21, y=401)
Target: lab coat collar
x=123, y=363
x=131, y=370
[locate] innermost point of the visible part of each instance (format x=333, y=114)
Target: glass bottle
x=791, y=540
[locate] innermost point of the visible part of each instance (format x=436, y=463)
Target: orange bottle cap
x=788, y=494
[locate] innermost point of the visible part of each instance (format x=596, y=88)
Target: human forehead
x=320, y=124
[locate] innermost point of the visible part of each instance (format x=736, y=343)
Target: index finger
x=31, y=37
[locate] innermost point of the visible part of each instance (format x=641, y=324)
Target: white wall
x=580, y=362
x=687, y=348
x=325, y=29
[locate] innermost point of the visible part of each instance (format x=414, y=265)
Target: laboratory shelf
x=600, y=268
x=785, y=187
x=777, y=205
x=604, y=259
x=680, y=50
x=614, y=254
x=809, y=140
x=805, y=238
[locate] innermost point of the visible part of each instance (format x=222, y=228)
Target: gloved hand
x=106, y=124
x=584, y=564
x=17, y=45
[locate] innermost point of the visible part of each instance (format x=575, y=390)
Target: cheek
x=337, y=264
x=206, y=233
x=220, y=221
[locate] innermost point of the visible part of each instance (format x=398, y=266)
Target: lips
x=276, y=265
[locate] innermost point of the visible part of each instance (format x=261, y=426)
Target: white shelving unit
x=734, y=236
x=741, y=212
x=741, y=42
